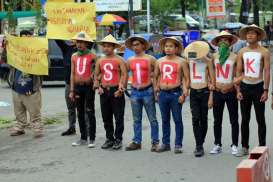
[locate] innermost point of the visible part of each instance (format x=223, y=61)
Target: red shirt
x=109, y=71
x=82, y=65
x=140, y=70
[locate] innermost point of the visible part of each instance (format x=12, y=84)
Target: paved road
x=52, y=159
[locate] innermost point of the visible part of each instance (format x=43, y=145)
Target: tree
x=244, y=11
x=256, y=12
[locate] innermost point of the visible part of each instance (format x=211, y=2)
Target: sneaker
x=199, y=151
x=117, y=145
x=107, y=144
x=70, y=131
x=217, y=149
x=133, y=146
x=234, y=150
x=178, y=150
x=163, y=148
x=17, y=132
x=242, y=152
x=155, y=147
x=91, y=144
x=79, y=142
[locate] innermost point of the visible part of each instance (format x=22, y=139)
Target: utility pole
x=131, y=15
x=148, y=16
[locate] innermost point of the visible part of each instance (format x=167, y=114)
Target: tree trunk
x=183, y=7
x=256, y=12
x=244, y=11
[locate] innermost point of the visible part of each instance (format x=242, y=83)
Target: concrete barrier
x=256, y=168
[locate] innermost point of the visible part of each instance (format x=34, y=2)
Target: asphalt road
x=53, y=159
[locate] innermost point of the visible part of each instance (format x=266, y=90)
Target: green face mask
x=223, y=52
x=86, y=51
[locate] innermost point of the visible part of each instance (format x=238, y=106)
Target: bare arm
x=211, y=74
x=72, y=76
x=186, y=78
x=97, y=75
x=152, y=73
x=124, y=74
x=266, y=70
x=156, y=77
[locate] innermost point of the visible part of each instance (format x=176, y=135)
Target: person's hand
x=264, y=97
x=182, y=99
x=96, y=85
x=240, y=96
x=237, y=80
x=210, y=103
x=72, y=96
x=121, y=88
x=211, y=86
x=185, y=92
x=118, y=93
x=100, y=91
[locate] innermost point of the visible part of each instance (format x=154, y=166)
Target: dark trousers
x=112, y=106
x=219, y=100
x=252, y=95
x=86, y=105
x=199, y=110
x=71, y=107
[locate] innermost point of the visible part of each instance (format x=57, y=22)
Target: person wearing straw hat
x=253, y=76
x=111, y=81
x=142, y=67
x=171, y=83
x=202, y=82
x=81, y=88
x=225, y=92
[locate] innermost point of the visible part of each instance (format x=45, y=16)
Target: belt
x=200, y=90
x=142, y=89
x=109, y=88
x=176, y=89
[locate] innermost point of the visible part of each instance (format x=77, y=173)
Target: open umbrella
x=110, y=19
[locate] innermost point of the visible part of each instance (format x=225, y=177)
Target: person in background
x=68, y=48
x=26, y=95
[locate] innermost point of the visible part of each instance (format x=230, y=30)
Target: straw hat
x=163, y=41
x=224, y=34
x=260, y=31
x=130, y=40
x=110, y=39
x=83, y=36
x=196, y=50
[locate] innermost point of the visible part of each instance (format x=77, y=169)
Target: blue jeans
x=138, y=100
x=168, y=102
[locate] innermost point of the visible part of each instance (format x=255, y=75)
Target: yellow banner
x=65, y=21
x=28, y=54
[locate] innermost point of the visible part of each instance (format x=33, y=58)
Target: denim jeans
x=168, y=103
x=138, y=100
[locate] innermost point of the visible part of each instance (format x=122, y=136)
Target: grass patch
x=51, y=120
x=6, y=122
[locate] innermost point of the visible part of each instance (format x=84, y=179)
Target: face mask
x=223, y=52
x=86, y=51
